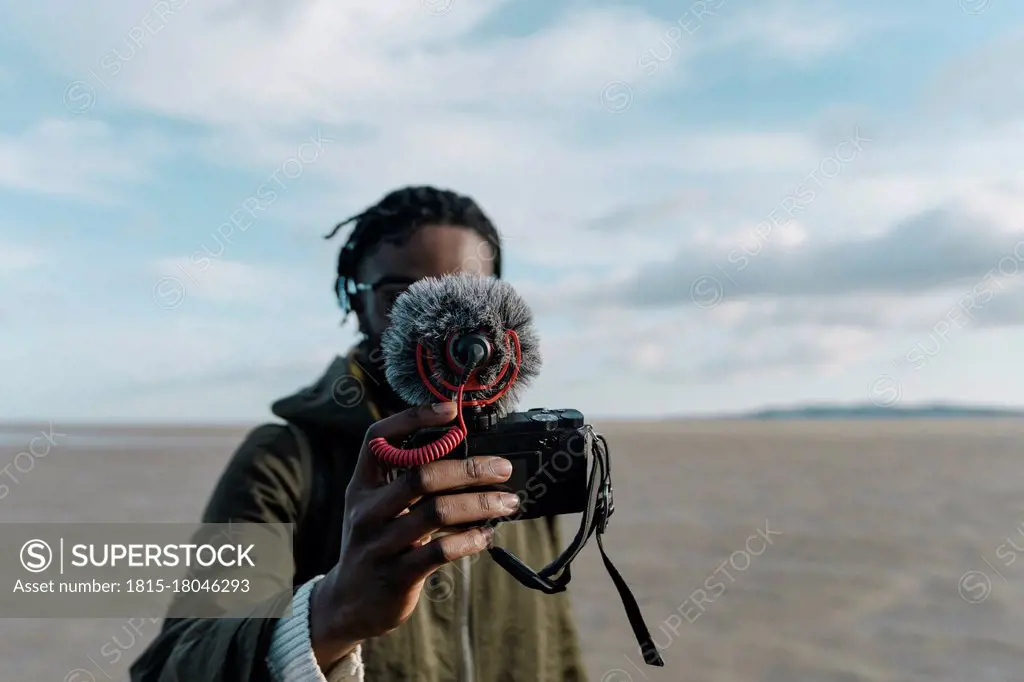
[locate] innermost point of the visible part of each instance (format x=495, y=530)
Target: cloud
x=221, y=64
x=796, y=32
x=209, y=278
x=16, y=258
x=666, y=349
x=80, y=159
x=638, y=215
x=778, y=352
x=504, y=103
x=985, y=303
x=984, y=85
x=930, y=250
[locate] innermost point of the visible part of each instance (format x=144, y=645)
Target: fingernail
x=501, y=467
x=444, y=408
x=510, y=501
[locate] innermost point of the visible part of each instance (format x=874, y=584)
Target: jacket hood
x=338, y=400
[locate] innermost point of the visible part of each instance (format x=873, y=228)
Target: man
x=367, y=551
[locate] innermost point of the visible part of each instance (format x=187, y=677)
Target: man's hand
x=386, y=548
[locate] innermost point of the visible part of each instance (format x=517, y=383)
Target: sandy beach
x=760, y=551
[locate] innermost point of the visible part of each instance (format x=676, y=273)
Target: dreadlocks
x=394, y=219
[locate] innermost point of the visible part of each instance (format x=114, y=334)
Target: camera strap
x=555, y=577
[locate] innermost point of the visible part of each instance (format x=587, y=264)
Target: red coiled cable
x=401, y=457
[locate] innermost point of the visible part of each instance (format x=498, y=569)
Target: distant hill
x=870, y=411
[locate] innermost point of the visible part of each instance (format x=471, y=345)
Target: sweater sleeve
x=291, y=657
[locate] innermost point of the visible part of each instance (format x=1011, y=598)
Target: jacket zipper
x=465, y=640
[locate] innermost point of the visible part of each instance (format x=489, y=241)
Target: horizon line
x=1007, y=410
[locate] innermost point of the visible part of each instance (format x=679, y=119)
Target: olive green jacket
x=474, y=623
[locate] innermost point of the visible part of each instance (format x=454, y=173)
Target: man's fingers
x=436, y=513
x=438, y=477
x=422, y=561
x=371, y=473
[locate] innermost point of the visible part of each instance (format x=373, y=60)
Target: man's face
x=431, y=251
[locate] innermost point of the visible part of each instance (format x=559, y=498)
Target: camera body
x=547, y=452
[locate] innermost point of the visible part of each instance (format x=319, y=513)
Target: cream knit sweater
x=291, y=657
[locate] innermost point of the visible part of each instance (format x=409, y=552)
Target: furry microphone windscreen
x=434, y=309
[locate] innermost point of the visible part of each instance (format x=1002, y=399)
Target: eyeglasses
x=387, y=288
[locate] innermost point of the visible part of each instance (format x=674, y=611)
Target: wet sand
x=760, y=551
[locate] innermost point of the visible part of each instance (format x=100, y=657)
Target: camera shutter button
x=550, y=421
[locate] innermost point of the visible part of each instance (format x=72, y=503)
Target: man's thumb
x=412, y=419
x=448, y=409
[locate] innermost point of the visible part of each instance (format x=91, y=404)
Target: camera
x=547, y=449
x=469, y=339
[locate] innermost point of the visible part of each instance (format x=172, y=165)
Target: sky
x=710, y=206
